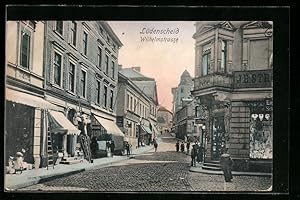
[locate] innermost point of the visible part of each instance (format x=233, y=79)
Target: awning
x=146, y=129
x=154, y=129
x=60, y=124
x=110, y=126
x=27, y=99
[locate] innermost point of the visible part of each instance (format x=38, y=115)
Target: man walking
x=177, y=146
x=112, y=148
x=155, y=146
x=226, y=164
x=193, y=156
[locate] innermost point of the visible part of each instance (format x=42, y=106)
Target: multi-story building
x=146, y=109
x=164, y=119
x=81, y=76
x=25, y=107
x=181, y=94
x=233, y=87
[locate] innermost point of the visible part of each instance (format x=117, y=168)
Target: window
x=57, y=69
x=71, y=77
x=131, y=104
x=111, y=99
x=134, y=105
x=106, y=64
x=113, y=69
x=223, y=56
x=108, y=40
x=73, y=33
x=59, y=27
x=25, y=49
x=99, y=57
x=98, y=92
x=105, y=95
x=127, y=101
x=85, y=38
x=206, y=59
x=82, y=83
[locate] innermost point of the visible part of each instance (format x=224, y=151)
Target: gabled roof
x=133, y=74
x=161, y=108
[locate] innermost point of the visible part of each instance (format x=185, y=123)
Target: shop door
x=218, y=137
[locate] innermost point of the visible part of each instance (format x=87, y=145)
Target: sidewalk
x=198, y=169
x=35, y=176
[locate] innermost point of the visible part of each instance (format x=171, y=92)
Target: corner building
x=233, y=86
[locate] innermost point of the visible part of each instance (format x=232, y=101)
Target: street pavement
x=161, y=171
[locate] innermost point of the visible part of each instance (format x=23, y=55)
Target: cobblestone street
x=164, y=170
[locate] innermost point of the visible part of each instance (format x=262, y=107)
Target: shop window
x=261, y=140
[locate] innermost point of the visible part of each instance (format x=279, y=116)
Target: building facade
x=81, y=78
x=25, y=107
x=164, y=119
x=182, y=95
x=233, y=89
x=143, y=102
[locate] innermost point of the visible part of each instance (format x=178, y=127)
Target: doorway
x=218, y=136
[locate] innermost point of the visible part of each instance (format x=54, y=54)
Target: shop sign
x=257, y=78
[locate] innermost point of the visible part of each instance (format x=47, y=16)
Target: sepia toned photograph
x=138, y=106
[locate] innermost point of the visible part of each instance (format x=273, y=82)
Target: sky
x=163, y=55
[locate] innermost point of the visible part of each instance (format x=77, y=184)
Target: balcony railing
x=238, y=79
x=213, y=80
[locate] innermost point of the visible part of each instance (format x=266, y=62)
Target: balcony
x=238, y=80
x=253, y=79
x=213, y=80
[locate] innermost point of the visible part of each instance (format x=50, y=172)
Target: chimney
x=138, y=69
x=120, y=67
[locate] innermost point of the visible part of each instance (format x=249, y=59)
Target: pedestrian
x=182, y=147
x=200, y=154
x=177, y=146
x=127, y=147
x=188, y=147
x=94, y=147
x=193, y=156
x=155, y=146
x=112, y=148
x=226, y=165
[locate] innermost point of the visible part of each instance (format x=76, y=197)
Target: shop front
x=145, y=135
x=25, y=125
x=104, y=131
x=63, y=134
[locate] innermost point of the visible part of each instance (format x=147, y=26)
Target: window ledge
x=84, y=55
x=56, y=86
x=70, y=92
x=72, y=45
x=60, y=35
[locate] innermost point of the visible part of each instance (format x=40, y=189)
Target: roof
x=161, y=108
x=134, y=75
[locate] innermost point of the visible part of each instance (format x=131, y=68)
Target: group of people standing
x=197, y=151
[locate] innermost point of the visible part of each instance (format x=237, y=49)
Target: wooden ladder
x=50, y=157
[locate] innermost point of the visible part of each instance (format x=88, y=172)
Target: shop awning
x=27, y=99
x=60, y=124
x=146, y=129
x=154, y=129
x=110, y=126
